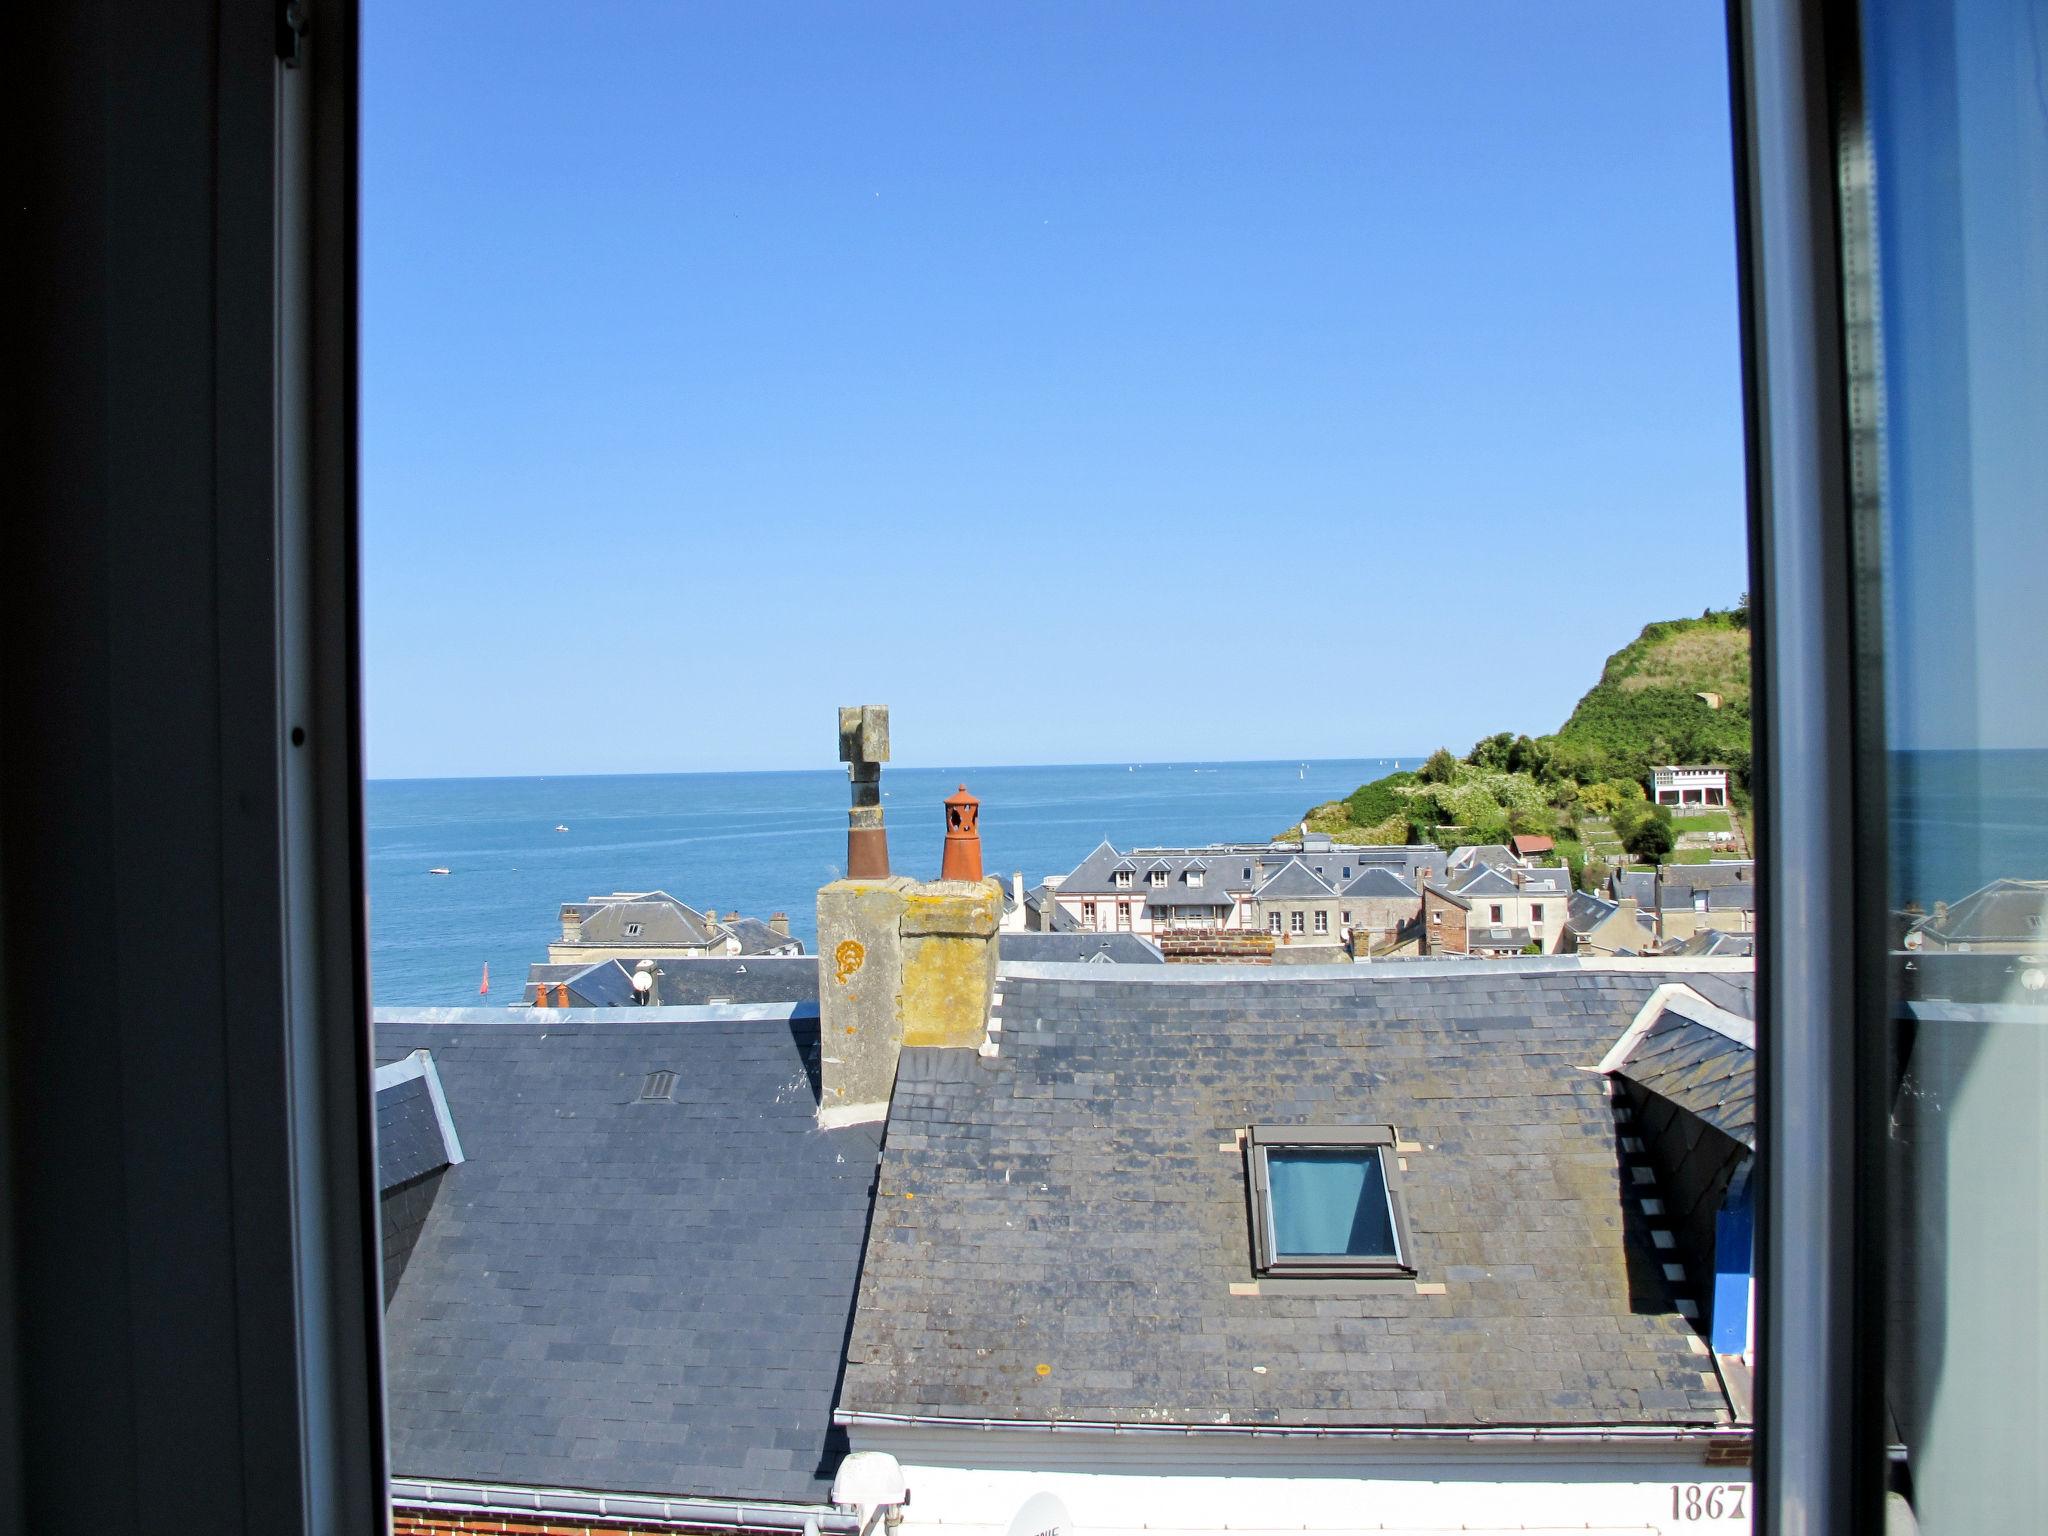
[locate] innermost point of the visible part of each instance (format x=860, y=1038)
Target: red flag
x=485, y=989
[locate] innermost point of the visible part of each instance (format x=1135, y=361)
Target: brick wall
x=1443, y=925
x=418, y=1522
x=1217, y=947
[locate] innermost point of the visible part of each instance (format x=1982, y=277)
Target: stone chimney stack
x=962, y=858
x=900, y=962
x=864, y=747
x=779, y=921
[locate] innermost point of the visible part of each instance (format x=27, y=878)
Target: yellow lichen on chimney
x=949, y=961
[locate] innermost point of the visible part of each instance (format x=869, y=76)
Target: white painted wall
x=1255, y=1487
x=983, y=1503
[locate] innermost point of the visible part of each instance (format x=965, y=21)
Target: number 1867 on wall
x=1709, y=1501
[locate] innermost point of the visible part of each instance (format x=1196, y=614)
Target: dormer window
x=1194, y=877
x=1122, y=879
x=1324, y=1203
x=1158, y=879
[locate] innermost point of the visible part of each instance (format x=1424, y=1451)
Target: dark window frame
x=1267, y=1262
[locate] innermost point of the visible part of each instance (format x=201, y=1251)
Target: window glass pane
x=1329, y=1202
x=1959, y=123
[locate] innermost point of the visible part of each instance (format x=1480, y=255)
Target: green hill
x=1647, y=708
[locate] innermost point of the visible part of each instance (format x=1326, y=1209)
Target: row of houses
x=1384, y=901
x=647, y=947
x=1150, y=1247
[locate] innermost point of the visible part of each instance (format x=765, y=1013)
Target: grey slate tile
x=629, y=1297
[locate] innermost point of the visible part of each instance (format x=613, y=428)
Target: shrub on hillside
x=1440, y=768
x=1651, y=838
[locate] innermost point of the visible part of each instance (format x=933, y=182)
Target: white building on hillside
x=1689, y=786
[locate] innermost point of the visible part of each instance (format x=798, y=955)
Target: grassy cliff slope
x=1646, y=709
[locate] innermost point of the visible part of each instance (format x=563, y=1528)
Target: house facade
x=1311, y=891
x=1676, y=786
x=1496, y=907
x=1687, y=899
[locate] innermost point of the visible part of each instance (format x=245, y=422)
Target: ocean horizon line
x=839, y=769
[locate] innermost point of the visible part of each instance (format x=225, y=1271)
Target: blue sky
x=1085, y=381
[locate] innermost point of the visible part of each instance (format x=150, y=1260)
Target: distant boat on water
x=561, y=826
x=439, y=869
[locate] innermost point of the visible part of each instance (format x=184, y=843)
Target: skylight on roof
x=1324, y=1203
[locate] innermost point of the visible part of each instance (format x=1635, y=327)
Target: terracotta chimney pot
x=962, y=859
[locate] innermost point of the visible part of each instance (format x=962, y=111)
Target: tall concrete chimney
x=864, y=747
x=779, y=921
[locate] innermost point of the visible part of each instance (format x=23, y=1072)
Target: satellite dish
x=1042, y=1515
x=642, y=980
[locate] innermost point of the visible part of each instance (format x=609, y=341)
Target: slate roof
x=1714, y=942
x=1728, y=887
x=1638, y=883
x=1294, y=880
x=1483, y=880
x=409, y=1141
x=1585, y=912
x=662, y=920
x=1497, y=938
x=1079, y=948
x=1467, y=855
x=1187, y=896
x=592, y=984
x=611, y=1294
x=1229, y=862
x=1377, y=881
x=1698, y=1056
x=2003, y=912
x=1058, y=1228
x=758, y=938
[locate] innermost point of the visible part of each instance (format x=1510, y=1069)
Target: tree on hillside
x=1440, y=769
x=1492, y=752
x=1651, y=838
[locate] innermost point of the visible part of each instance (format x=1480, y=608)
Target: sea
x=757, y=843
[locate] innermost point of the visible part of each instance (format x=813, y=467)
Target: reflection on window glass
x=1330, y=1202
x=1958, y=99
